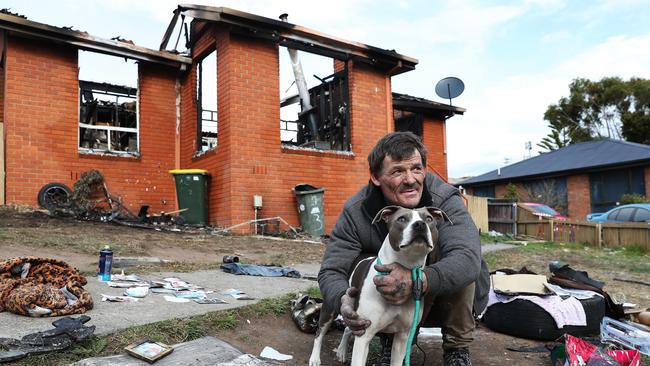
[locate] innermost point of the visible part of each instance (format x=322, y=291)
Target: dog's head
x=416, y=228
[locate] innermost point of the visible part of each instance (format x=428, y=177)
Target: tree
x=511, y=192
x=557, y=139
x=609, y=108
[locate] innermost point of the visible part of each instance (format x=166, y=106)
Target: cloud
x=508, y=112
x=622, y=56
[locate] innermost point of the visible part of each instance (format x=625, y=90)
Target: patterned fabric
x=42, y=287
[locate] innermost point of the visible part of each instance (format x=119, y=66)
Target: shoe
x=457, y=357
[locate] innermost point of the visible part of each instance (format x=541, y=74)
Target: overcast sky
x=515, y=57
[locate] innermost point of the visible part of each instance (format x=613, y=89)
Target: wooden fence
x=499, y=215
x=609, y=234
x=478, y=209
x=502, y=216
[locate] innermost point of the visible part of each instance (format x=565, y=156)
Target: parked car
x=542, y=210
x=635, y=212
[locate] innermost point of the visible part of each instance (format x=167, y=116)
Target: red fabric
x=578, y=349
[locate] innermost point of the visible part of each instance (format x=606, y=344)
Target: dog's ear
x=385, y=213
x=438, y=214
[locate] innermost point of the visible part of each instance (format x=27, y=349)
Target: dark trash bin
x=192, y=191
x=310, y=208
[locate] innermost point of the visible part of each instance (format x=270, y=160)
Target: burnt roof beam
x=84, y=41
x=295, y=36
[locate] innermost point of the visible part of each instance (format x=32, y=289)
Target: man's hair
x=399, y=146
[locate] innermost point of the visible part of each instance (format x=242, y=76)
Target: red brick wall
x=41, y=113
x=216, y=161
x=249, y=159
x=499, y=190
x=578, y=197
x=2, y=91
x=433, y=136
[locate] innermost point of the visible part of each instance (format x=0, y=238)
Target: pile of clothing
x=42, y=287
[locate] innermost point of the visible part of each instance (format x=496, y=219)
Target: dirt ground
x=24, y=232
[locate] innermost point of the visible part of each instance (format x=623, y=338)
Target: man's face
x=401, y=181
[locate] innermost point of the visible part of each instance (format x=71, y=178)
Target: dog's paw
x=314, y=361
x=341, y=354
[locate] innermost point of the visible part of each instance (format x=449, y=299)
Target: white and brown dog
x=412, y=235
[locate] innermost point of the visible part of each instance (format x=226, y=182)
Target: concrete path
x=110, y=317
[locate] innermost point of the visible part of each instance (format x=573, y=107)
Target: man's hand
x=396, y=286
x=352, y=320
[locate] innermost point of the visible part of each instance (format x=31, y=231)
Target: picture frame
x=148, y=350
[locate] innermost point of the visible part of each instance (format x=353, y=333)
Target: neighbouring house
x=576, y=180
x=55, y=125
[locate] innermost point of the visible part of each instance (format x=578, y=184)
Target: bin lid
x=189, y=171
x=304, y=188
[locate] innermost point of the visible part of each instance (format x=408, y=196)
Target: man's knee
x=455, y=308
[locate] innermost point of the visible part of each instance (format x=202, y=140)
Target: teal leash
x=416, y=276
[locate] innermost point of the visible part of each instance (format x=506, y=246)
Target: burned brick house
x=56, y=125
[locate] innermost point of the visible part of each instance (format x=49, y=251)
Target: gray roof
x=585, y=156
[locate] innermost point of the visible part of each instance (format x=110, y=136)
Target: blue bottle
x=105, y=264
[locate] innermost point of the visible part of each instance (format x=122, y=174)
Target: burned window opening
x=206, y=102
x=329, y=107
x=408, y=121
x=108, y=120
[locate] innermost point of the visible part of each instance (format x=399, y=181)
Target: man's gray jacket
x=460, y=248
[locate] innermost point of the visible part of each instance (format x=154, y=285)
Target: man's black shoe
x=457, y=357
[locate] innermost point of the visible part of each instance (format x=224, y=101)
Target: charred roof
x=292, y=36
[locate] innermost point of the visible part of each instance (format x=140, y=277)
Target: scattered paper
x=232, y=291
x=158, y=290
x=269, y=352
x=238, y=294
x=210, y=301
x=191, y=294
x=125, y=284
x=175, y=299
x=113, y=298
x=137, y=291
x=123, y=277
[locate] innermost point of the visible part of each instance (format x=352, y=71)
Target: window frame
x=114, y=91
x=199, y=104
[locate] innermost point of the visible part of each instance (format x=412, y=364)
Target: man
x=456, y=284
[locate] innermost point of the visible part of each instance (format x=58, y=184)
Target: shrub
x=632, y=198
x=511, y=192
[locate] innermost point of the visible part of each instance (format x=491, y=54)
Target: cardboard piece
x=520, y=284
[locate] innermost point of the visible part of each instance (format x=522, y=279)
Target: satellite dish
x=449, y=88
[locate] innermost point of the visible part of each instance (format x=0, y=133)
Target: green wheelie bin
x=192, y=194
x=310, y=208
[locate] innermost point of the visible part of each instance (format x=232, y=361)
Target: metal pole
x=301, y=84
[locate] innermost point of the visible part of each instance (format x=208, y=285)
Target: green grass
x=314, y=291
x=489, y=239
x=629, y=259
